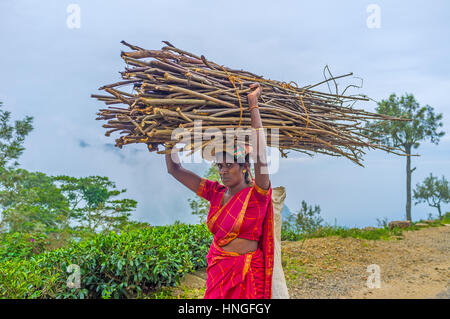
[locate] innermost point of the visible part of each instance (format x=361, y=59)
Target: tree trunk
x=408, y=181
x=439, y=209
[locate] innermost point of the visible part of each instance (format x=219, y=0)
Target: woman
x=240, y=259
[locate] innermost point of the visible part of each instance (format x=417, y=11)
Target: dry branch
x=172, y=88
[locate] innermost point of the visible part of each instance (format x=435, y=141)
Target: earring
x=243, y=171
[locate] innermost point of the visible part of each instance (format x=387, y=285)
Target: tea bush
x=111, y=265
x=21, y=245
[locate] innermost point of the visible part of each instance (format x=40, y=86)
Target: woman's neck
x=237, y=188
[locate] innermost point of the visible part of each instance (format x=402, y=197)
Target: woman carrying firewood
x=240, y=259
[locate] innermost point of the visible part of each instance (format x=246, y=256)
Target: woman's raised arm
x=259, y=140
x=184, y=176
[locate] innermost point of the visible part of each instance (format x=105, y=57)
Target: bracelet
x=253, y=107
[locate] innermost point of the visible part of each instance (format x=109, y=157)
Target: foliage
x=31, y=202
x=134, y=225
x=326, y=231
x=20, y=278
x=12, y=138
x=21, y=245
x=92, y=205
x=446, y=218
x=306, y=221
x=423, y=125
x=433, y=191
x=406, y=135
x=35, y=202
x=111, y=265
x=383, y=232
x=383, y=222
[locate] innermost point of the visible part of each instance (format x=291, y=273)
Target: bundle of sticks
x=172, y=88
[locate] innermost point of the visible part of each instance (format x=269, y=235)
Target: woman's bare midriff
x=241, y=246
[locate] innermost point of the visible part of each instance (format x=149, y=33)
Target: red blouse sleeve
x=262, y=195
x=207, y=189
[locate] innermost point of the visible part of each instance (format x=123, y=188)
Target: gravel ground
x=417, y=266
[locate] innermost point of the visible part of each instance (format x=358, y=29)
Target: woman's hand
x=252, y=97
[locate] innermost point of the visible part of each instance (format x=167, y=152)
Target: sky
x=49, y=70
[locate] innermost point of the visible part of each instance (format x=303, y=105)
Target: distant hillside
x=285, y=213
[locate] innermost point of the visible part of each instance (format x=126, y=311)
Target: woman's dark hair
x=247, y=173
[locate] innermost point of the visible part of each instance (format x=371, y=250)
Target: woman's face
x=230, y=171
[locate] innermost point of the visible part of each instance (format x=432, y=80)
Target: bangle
x=253, y=107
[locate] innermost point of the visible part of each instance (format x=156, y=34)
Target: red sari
x=248, y=214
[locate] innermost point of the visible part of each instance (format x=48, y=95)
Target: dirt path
x=418, y=266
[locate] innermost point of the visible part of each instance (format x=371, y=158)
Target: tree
x=92, y=205
x=31, y=202
x=12, y=138
x=433, y=191
x=307, y=220
x=406, y=135
x=200, y=206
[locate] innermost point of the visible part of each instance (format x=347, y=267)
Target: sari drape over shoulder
x=248, y=214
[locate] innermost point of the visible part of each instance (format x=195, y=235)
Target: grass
x=383, y=233
x=344, y=232
x=177, y=293
x=446, y=218
x=294, y=269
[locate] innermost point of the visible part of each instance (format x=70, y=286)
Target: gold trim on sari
x=201, y=186
x=237, y=224
x=262, y=191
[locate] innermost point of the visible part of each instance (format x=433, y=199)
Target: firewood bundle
x=172, y=88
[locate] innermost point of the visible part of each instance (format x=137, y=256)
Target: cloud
x=115, y=150
x=83, y=144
